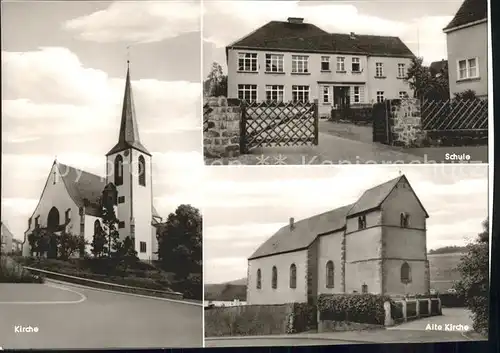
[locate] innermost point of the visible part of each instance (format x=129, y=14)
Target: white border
x=491, y=128
x=202, y=89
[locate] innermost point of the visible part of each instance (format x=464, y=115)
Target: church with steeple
x=71, y=198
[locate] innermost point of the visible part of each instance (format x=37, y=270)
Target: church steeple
x=129, y=131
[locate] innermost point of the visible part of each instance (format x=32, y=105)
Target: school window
x=121, y=199
x=275, y=93
x=340, y=63
x=468, y=69
x=356, y=65
x=379, y=69
x=300, y=94
x=356, y=94
x=325, y=63
x=247, y=93
x=142, y=246
x=121, y=224
x=247, y=62
x=274, y=63
x=361, y=222
x=380, y=96
x=300, y=64
x=403, y=94
x=401, y=70
x=326, y=94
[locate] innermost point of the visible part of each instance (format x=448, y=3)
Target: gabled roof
x=304, y=233
x=129, y=131
x=436, y=66
x=470, y=11
x=84, y=188
x=306, y=37
x=307, y=230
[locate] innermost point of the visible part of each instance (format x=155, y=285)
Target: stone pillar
x=221, y=128
x=388, y=318
x=404, y=307
x=406, y=122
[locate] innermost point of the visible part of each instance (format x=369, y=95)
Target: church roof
x=85, y=188
x=129, y=131
x=304, y=232
x=307, y=230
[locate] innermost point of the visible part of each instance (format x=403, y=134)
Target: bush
x=360, y=308
x=303, y=317
x=12, y=272
x=396, y=311
x=190, y=287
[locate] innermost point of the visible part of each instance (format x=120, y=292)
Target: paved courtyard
x=343, y=143
x=75, y=317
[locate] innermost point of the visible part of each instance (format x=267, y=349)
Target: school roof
x=304, y=232
x=470, y=11
x=306, y=37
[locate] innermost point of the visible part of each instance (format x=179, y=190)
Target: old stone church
x=70, y=199
x=375, y=245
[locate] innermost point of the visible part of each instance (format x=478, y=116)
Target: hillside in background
x=442, y=266
x=228, y=291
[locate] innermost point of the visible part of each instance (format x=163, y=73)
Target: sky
x=418, y=23
x=248, y=205
x=63, y=76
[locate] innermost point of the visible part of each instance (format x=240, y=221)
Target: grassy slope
x=442, y=270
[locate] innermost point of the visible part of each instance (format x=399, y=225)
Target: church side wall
x=54, y=195
x=363, y=254
x=330, y=249
x=283, y=293
x=142, y=206
x=88, y=232
x=404, y=244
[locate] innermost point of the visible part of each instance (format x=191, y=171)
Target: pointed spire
x=129, y=131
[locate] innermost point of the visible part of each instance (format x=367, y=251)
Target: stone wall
x=221, y=130
x=406, y=124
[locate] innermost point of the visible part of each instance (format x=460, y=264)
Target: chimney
x=296, y=20
x=292, y=223
x=353, y=35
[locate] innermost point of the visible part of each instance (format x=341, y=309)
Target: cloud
x=138, y=22
x=49, y=92
x=423, y=35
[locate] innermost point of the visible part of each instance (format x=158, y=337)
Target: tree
x=426, y=85
x=180, y=242
x=216, y=83
x=69, y=244
x=474, y=283
x=99, y=241
x=109, y=219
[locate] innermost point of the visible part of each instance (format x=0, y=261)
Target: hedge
x=360, y=308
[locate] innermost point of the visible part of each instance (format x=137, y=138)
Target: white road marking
x=125, y=293
x=82, y=298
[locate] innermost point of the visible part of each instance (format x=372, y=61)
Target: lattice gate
x=278, y=124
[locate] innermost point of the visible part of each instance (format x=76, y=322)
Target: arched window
x=404, y=220
x=142, y=171
x=53, y=219
x=330, y=274
x=405, y=273
x=293, y=276
x=274, y=281
x=97, y=226
x=259, y=279
x=118, y=170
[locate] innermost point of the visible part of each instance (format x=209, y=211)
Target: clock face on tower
x=126, y=153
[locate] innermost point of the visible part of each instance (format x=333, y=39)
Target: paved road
x=72, y=316
x=411, y=332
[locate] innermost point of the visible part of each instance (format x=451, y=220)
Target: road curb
x=123, y=293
